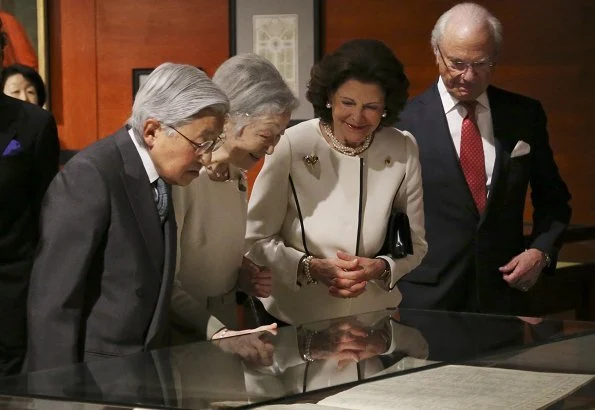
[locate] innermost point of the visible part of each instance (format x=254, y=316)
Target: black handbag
x=398, y=236
x=397, y=242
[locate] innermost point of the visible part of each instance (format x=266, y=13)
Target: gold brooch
x=311, y=160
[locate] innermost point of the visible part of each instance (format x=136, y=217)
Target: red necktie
x=472, y=157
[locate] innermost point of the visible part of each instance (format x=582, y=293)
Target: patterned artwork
x=276, y=38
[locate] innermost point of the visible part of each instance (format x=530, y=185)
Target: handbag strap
x=299, y=211
x=359, y=211
x=398, y=189
x=401, y=183
x=361, y=204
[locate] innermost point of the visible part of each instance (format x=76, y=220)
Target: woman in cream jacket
x=349, y=169
x=211, y=211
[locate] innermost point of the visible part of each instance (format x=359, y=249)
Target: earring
x=384, y=114
x=328, y=105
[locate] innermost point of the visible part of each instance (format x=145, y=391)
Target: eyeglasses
x=204, y=147
x=460, y=67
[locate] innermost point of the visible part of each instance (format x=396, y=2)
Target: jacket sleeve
x=73, y=223
x=549, y=193
x=410, y=200
x=267, y=211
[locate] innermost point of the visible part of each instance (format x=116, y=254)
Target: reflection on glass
x=302, y=362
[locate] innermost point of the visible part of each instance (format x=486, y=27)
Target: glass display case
x=413, y=354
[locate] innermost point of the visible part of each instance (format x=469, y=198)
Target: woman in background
x=341, y=174
x=211, y=231
x=23, y=82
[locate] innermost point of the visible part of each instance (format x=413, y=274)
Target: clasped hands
x=346, y=275
x=346, y=341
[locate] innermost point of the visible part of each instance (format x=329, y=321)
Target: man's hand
x=522, y=272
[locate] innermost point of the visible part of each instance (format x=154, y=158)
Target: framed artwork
x=139, y=75
x=287, y=33
x=30, y=34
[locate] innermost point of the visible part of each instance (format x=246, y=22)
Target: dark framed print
x=139, y=75
x=287, y=33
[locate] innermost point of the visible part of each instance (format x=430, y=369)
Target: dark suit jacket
x=102, y=277
x=24, y=177
x=463, y=245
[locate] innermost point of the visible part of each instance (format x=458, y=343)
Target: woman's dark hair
x=367, y=61
x=30, y=75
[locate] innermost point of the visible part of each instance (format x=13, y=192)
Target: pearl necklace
x=344, y=149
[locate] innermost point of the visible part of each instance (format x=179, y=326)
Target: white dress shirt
x=455, y=113
x=145, y=158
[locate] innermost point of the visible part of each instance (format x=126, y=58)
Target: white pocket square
x=521, y=148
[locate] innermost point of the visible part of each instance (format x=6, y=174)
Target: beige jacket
x=328, y=194
x=211, y=219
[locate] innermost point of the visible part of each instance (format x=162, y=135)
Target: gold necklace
x=344, y=149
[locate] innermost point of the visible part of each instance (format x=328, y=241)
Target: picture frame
x=139, y=75
x=42, y=42
x=288, y=33
x=31, y=15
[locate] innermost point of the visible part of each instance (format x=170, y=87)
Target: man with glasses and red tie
x=103, y=273
x=480, y=147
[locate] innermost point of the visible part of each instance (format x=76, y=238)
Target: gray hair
x=473, y=13
x=254, y=87
x=175, y=94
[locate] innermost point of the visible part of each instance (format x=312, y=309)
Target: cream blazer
x=328, y=194
x=211, y=219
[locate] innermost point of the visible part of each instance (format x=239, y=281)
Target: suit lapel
x=443, y=146
x=138, y=189
x=499, y=126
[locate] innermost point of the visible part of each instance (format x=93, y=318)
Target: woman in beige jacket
x=321, y=232
x=211, y=211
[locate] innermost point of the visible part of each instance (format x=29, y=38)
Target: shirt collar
x=145, y=158
x=450, y=103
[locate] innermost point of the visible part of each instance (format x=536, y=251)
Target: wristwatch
x=386, y=275
x=548, y=259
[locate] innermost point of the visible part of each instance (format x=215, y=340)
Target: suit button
x=139, y=293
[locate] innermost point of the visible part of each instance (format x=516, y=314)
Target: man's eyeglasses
x=460, y=67
x=204, y=147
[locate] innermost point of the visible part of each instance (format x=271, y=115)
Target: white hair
x=254, y=88
x=472, y=13
x=175, y=94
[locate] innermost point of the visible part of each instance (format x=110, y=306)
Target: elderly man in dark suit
x=480, y=148
x=102, y=277
x=29, y=152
